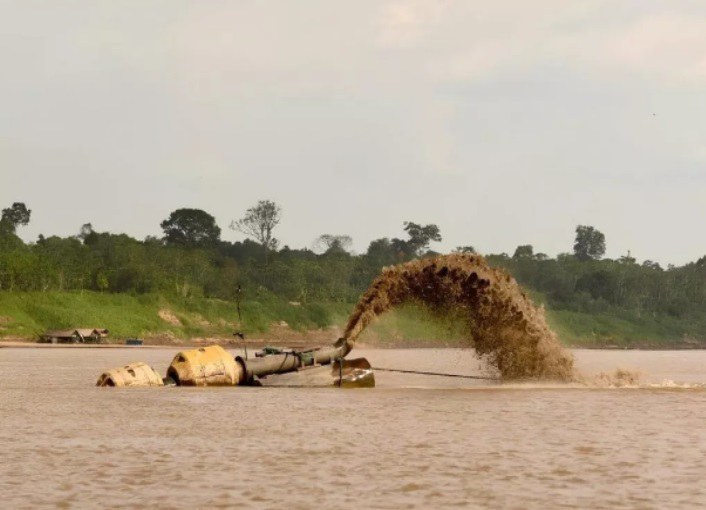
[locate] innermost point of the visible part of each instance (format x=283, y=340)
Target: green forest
x=590, y=300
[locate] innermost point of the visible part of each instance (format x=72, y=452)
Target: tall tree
x=627, y=259
x=87, y=234
x=380, y=253
x=328, y=243
x=191, y=228
x=524, y=251
x=420, y=236
x=589, y=243
x=259, y=223
x=14, y=216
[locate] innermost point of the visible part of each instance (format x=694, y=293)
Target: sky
x=504, y=123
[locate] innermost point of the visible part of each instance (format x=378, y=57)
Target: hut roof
x=84, y=332
x=70, y=333
x=61, y=333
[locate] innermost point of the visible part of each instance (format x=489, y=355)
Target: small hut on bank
x=74, y=336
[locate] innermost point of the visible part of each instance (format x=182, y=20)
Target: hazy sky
x=504, y=122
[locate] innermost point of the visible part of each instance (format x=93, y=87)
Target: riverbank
x=256, y=344
x=266, y=319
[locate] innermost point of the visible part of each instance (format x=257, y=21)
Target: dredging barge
x=214, y=366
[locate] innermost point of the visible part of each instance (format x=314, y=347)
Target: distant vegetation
x=590, y=300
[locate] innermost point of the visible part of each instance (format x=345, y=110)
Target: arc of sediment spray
x=508, y=329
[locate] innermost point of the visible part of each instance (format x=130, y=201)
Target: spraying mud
x=508, y=330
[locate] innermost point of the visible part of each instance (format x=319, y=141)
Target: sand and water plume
x=507, y=329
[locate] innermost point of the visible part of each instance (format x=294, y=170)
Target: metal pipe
x=287, y=362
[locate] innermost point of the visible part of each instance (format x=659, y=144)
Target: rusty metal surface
x=205, y=366
x=133, y=374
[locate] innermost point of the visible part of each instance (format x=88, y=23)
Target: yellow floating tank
x=134, y=374
x=206, y=366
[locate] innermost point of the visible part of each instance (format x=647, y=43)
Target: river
x=414, y=441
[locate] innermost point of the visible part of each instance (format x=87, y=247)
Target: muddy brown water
x=412, y=442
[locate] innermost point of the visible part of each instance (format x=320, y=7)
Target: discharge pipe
x=280, y=363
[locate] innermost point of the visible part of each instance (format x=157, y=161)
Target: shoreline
x=260, y=343
x=190, y=344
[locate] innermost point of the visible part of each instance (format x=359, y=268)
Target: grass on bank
x=26, y=315
x=29, y=314
x=605, y=330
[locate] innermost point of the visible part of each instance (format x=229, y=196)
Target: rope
x=419, y=372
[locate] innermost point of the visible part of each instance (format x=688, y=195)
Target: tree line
x=191, y=259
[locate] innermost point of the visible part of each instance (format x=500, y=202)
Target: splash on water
x=620, y=378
